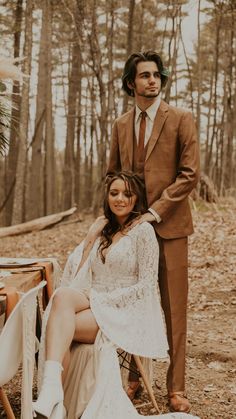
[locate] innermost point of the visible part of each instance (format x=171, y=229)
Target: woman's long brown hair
x=133, y=184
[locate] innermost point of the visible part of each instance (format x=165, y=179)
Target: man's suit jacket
x=171, y=166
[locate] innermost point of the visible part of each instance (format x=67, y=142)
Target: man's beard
x=150, y=95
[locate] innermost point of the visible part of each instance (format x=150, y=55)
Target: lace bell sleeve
x=81, y=280
x=71, y=265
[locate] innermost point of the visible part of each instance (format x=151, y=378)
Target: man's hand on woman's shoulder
x=144, y=217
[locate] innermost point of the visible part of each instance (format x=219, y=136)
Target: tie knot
x=143, y=114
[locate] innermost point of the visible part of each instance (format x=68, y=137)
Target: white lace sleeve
x=71, y=265
x=136, y=308
x=72, y=277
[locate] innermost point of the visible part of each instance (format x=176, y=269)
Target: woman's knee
x=66, y=297
x=61, y=298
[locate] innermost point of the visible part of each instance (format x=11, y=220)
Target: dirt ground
x=211, y=352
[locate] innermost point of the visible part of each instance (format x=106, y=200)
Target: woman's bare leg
x=86, y=327
x=62, y=322
x=70, y=318
x=86, y=330
x=65, y=364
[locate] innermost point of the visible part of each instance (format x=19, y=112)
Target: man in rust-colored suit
x=159, y=142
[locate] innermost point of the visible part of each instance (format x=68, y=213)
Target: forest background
x=74, y=51
x=58, y=133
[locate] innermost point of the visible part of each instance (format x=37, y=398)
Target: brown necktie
x=142, y=129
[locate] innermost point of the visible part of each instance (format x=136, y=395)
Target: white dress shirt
x=151, y=114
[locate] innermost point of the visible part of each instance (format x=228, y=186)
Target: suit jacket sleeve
x=187, y=169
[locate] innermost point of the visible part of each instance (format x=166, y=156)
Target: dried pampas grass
x=8, y=69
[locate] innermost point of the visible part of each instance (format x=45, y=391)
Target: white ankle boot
x=51, y=393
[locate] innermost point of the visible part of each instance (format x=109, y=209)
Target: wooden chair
x=17, y=345
x=140, y=371
x=81, y=368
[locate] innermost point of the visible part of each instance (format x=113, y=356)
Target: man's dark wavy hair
x=130, y=69
x=133, y=184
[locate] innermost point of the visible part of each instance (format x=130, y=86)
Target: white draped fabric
x=124, y=299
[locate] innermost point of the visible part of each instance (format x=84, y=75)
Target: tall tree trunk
x=79, y=17
x=19, y=196
x=110, y=39
x=129, y=43
x=199, y=78
x=207, y=142
x=220, y=180
x=77, y=193
x=50, y=167
x=172, y=51
x=188, y=68
x=218, y=18
x=69, y=174
x=84, y=194
x=230, y=112
x=141, y=26
x=36, y=205
x=98, y=72
x=15, y=119
x=164, y=31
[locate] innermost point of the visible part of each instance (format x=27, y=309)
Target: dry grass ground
x=211, y=358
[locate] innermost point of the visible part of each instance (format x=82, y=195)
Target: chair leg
x=146, y=382
x=6, y=404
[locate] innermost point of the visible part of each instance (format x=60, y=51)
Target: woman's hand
x=93, y=233
x=97, y=227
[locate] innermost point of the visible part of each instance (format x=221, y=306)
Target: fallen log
x=36, y=224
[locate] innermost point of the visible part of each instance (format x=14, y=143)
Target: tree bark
x=199, y=78
x=172, y=61
x=96, y=56
x=218, y=17
x=36, y=204
x=230, y=110
x=15, y=119
x=69, y=169
x=50, y=167
x=19, y=196
x=129, y=44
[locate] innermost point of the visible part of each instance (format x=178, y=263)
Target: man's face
x=147, y=81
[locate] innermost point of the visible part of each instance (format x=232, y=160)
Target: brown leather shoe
x=178, y=402
x=134, y=389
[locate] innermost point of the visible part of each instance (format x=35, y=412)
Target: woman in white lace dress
x=112, y=300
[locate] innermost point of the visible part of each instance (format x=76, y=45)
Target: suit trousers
x=173, y=284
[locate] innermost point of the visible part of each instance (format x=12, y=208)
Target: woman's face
x=120, y=200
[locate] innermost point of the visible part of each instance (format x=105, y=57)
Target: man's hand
x=144, y=217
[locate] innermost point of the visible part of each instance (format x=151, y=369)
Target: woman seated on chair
x=112, y=301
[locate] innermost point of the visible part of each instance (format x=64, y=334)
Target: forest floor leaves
x=211, y=352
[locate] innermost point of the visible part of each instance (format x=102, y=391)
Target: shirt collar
x=151, y=110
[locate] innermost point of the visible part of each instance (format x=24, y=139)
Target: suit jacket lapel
x=127, y=134
x=159, y=121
